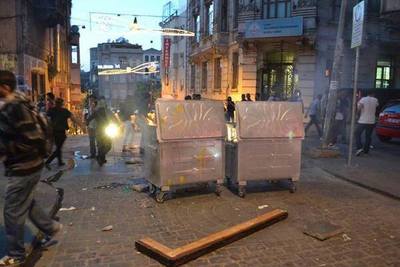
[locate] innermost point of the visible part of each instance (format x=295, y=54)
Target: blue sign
x=273, y=27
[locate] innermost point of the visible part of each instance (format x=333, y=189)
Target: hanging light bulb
x=135, y=25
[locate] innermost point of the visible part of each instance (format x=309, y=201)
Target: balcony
x=214, y=44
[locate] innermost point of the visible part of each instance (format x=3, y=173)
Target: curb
x=369, y=188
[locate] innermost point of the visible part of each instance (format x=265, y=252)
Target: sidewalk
x=378, y=171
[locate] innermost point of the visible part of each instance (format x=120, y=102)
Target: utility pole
x=335, y=79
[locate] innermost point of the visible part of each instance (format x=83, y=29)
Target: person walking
x=338, y=124
x=102, y=116
x=230, y=110
x=22, y=151
x=366, y=123
x=50, y=101
x=59, y=120
x=313, y=112
x=244, y=97
x=92, y=128
x=248, y=97
x=125, y=117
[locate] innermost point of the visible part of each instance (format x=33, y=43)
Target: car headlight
x=112, y=130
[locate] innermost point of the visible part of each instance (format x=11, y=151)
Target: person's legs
x=127, y=135
x=358, y=133
x=369, y=128
x=92, y=140
x=18, y=203
x=60, y=138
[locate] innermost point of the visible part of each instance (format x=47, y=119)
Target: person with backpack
x=23, y=147
x=59, y=121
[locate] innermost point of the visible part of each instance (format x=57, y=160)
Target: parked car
x=388, y=125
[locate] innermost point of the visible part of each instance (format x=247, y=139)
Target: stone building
x=174, y=72
x=115, y=55
x=35, y=45
x=274, y=47
x=152, y=55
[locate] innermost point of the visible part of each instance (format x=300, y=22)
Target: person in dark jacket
x=102, y=116
x=230, y=110
x=59, y=120
x=23, y=162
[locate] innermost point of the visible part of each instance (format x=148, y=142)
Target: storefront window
x=384, y=74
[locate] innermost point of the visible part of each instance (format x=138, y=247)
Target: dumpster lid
x=189, y=119
x=270, y=120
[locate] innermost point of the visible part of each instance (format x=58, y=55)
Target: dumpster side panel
x=269, y=159
x=193, y=161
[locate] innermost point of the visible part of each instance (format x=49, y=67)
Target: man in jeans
x=19, y=136
x=367, y=108
x=313, y=112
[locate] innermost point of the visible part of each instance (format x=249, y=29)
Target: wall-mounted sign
x=102, y=67
x=166, y=52
x=272, y=27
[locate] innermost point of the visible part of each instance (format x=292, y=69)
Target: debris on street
x=322, y=230
x=346, y=238
x=140, y=187
x=262, y=207
x=134, y=161
x=110, y=186
x=68, y=209
x=107, y=228
x=93, y=208
x=84, y=189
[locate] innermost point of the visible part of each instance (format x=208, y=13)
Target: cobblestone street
x=370, y=221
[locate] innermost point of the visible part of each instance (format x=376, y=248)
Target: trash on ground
x=84, y=189
x=93, y=208
x=110, y=186
x=145, y=204
x=70, y=224
x=68, y=209
x=84, y=156
x=322, y=230
x=107, y=228
x=346, y=238
x=262, y=207
x=140, y=187
x=77, y=153
x=134, y=161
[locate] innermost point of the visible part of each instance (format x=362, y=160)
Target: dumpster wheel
x=218, y=189
x=242, y=191
x=161, y=196
x=293, y=187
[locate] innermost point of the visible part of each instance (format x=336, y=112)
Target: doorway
x=277, y=76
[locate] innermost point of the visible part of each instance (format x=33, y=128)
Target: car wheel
x=384, y=138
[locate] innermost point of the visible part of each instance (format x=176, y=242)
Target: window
x=74, y=54
x=224, y=16
x=235, y=70
x=384, y=74
x=193, y=77
x=152, y=58
x=277, y=8
x=209, y=18
x=158, y=58
x=235, y=13
x=197, y=27
x=204, y=76
x=217, y=74
x=123, y=61
x=146, y=58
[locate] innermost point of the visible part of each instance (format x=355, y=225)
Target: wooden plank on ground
x=181, y=255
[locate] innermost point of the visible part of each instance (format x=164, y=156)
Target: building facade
x=152, y=55
x=174, y=72
x=36, y=46
x=115, y=55
x=275, y=47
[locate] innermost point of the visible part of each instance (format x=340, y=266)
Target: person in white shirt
x=366, y=123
